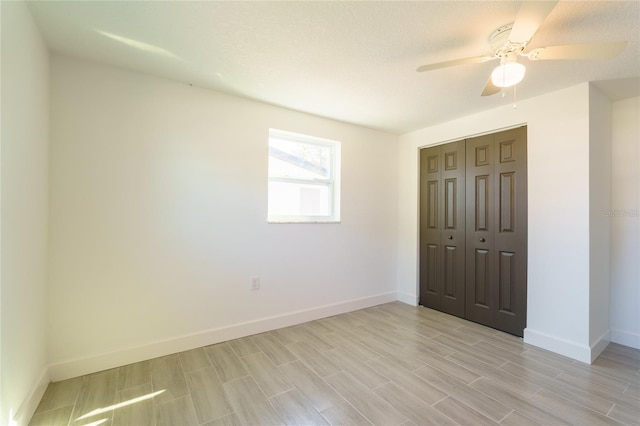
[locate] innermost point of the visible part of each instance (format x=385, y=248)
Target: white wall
x=558, y=211
x=158, y=220
x=600, y=130
x=25, y=134
x=625, y=223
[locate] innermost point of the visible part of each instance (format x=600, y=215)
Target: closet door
x=442, y=228
x=496, y=239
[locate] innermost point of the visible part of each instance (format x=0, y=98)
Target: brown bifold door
x=496, y=230
x=442, y=228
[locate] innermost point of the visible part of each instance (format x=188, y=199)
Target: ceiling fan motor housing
x=502, y=46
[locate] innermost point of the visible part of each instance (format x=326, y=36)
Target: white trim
x=551, y=343
x=600, y=345
x=474, y=135
x=30, y=404
x=560, y=346
x=98, y=362
x=409, y=299
x=626, y=338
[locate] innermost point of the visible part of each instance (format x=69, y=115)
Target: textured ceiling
x=351, y=61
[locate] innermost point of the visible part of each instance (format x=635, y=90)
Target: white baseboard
x=560, y=346
x=29, y=405
x=626, y=338
x=600, y=345
x=409, y=299
x=583, y=353
x=99, y=362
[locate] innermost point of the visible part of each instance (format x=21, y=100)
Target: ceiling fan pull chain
x=514, y=96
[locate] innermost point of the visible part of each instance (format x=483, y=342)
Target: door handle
x=482, y=240
x=450, y=237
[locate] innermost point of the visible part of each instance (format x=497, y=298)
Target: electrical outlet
x=255, y=283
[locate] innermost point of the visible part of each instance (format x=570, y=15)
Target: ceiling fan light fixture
x=508, y=74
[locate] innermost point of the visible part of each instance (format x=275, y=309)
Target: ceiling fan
x=509, y=42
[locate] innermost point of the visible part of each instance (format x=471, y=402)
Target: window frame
x=332, y=183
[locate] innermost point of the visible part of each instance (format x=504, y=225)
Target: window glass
x=303, y=178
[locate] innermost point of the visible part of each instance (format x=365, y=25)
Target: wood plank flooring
x=392, y=364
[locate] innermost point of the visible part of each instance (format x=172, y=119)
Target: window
x=304, y=178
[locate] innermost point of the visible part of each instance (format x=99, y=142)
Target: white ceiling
x=351, y=61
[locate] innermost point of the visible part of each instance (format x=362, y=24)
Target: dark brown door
x=442, y=228
x=496, y=230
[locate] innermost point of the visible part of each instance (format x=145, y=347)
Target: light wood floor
x=392, y=364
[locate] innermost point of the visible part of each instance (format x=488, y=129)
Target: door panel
x=511, y=235
x=481, y=279
x=506, y=282
x=479, y=236
x=432, y=204
x=482, y=202
x=482, y=152
x=507, y=202
x=431, y=275
x=442, y=227
x=496, y=224
x=450, y=203
x=450, y=271
x=452, y=235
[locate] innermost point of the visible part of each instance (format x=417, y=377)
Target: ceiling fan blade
x=578, y=51
x=464, y=61
x=530, y=17
x=490, y=88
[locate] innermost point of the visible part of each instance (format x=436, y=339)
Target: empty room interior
x=390, y=213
